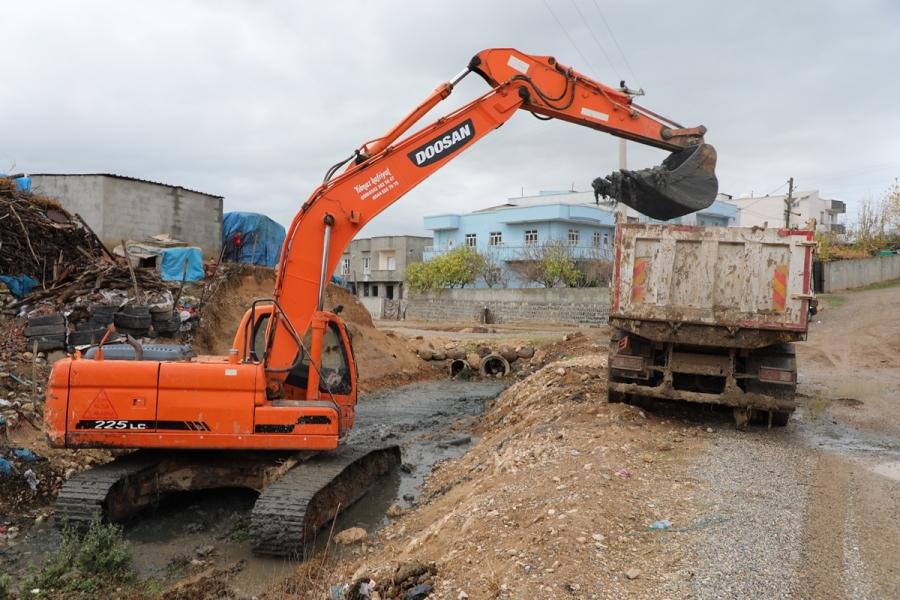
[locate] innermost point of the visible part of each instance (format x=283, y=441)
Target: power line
x=595, y=39
x=570, y=39
x=617, y=44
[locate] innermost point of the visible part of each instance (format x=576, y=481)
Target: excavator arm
x=385, y=169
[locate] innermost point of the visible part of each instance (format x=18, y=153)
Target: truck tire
x=136, y=322
x=172, y=325
x=55, y=319
x=103, y=309
x=102, y=319
x=42, y=330
x=136, y=311
x=162, y=316
x=780, y=418
x=45, y=345
x=82, y=338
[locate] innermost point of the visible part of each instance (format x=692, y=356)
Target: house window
x=573, y=237
x=606, y=240
x=345, y=266
x=375, y=290
x=531, y=236
x=496, y=238
x=367, y=267
x=387, y=260
x=365, y=289
x=596, y=239
x=390, y=292
x=450, y=243
x=471, y=241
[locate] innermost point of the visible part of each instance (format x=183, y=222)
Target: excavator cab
x=330, y=378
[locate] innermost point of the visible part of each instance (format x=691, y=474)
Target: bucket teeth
x=685, y=182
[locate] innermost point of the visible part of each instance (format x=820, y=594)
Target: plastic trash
x=420, y=592
x=623, y=473
x=25, y=454
x=365, y=590
x=339, y=591
x=4, y=466
x=32, y=479
x=662, y=525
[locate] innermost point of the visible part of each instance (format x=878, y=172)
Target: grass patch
x=4, y=586
x=832, y=301
x=551, y=339
x=240, y=527
x=91, y=563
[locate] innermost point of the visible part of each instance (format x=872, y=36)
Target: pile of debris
x=58, y=251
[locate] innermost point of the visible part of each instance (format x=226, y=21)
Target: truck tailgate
x=724, y=277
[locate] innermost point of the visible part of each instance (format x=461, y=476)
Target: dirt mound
x=557, y=499
x=384, y=361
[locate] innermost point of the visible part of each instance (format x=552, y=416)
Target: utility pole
x=789, y=204
x=621, y=209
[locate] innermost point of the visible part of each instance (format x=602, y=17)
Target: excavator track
x=300, y=492
x=288, y=513
x=83, y=497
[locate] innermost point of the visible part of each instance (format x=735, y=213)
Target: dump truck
x=710, y=315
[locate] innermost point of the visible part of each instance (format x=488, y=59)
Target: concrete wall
x=120, y=208
x=847, y=274
x=587, y=306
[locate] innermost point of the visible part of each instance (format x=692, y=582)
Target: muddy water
x=429, y=420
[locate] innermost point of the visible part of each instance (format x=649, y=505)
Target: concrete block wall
x=848, y=274
x=589, y=306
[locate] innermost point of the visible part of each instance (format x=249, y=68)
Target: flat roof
x=121, y=177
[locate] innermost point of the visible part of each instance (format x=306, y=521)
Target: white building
x=769, y=211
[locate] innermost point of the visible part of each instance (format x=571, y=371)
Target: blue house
x=507, y=232
x=510, y=232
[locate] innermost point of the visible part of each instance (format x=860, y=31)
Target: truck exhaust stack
x=685, y=182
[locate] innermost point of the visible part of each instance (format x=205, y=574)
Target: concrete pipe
x=459, y=367
x=494, y=365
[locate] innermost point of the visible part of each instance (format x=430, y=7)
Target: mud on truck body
x=710, y=315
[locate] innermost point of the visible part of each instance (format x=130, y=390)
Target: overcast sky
x=254, y=101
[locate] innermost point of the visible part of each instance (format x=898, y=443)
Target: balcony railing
x=519, y=250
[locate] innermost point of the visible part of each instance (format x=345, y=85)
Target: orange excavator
x=273, y=414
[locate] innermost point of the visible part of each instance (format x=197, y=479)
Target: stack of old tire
x=166, y=321
x=48, y=331
x=92, y=331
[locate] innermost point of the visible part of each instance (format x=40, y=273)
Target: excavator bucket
x=685, y=182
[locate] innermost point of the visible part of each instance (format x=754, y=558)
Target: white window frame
x=596, y=239
x=533, y=234
x=367, y=266
x=345, y=266
x=496, y=238
x=574, y=235
x=472, y=240
x=606, y=240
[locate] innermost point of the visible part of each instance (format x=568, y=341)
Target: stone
x=598, y=537
x=508, y=353
x=349, y=537
x=456, y=353
x=484, y=351
x=648, y=458
x=474, y=362
x=560, y=371
x=665, y=447
x=425, y=353
x=27, y=355
x=709, y=430
x=525, y=352
x=395, y=510
x=581, y=540
x=438, y=355
x=462, y=596
x=632, y=574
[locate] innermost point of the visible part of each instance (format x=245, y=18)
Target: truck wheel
x=780, y=418
x=616, y=397
x=55, y=319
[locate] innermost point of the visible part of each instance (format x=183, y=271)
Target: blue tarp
x=172, y=267
x=19, y=286
x=266, y=234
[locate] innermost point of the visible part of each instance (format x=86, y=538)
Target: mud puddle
x=430, y=421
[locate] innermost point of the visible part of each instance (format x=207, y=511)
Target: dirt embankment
x=557, y=499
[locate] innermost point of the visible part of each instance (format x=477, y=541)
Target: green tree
x=457, y=268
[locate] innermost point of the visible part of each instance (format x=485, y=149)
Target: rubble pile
x=58, y=250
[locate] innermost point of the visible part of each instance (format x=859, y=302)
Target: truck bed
x=739, y=287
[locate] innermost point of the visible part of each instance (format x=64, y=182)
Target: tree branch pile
x=39, y=238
